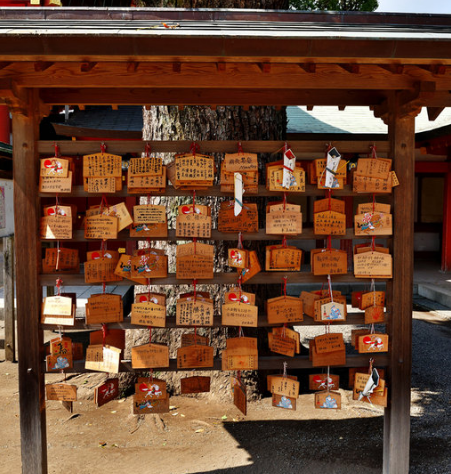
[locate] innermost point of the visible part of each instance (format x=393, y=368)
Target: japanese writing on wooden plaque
x=192, y=169
x=149, y=214
x=372, y=265
x=103, y=358
x=150, y=356
x=285, y=386
x=58, y=310
x=281, y=258
x=101, y=227
x=284, y=223
x=194, y=313
x=100, y=271
x=193, y=357
x=330, y=262
x=62, y=392
x=373, y=223
x=56, y=227
x=104, y=309
x=148, y=314
x=145, y=166
x=193, y=225
x=246, y=221
x=106, y=392
x=281, y=345
x=284, y=309
x=239, y=314
x=49, y=184
x=329, y=223
x=197, y=267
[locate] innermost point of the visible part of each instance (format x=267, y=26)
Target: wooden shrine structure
x=396, y=64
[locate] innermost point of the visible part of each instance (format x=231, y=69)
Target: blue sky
x=415, y=6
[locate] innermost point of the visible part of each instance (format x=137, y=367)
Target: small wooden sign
x=237, y=258
x=64, y=211
x=235, y=295
x=280, y=258
x=114, y=337
x=194, y=169
x=374, y=167
x=239, y=314
x=101, y=227
x=103, y=358
x=364, y=371
x=143, y=406
x=101, y=165
x=371, y=343
x=62, y=260
x=149, y=214
x=291, y=334
x=150, y=356
x=333, y=311
x=270, y=377
x=106, y=392
x=246, y=221
x=329, y=223
x=193, y=225
x=151, y=388
x=146, y=166
x=374, y=207
x=52, y=305
x=329, y=342
x=151, y=265
x=372, y=298
x=194, y=340
x=105, y=308
x=54, y=167
x=148, y=314
x=194, y=313
x=284, y=309
x=50, y=184
x=319, y=381
x=285, y=386
x=101, y=271
x=355, y=333
x=328, y=400
x=241, y=162
x=62, y=392
x=195, y=267
x=60, y=346
x=334, y=205
x=194, y=357
x=124, y=269
x=240, y=398
x=120, y=211
x=253, y=267
x=284, y=223
x=277, y=207
x=195, y=384
x=56, y=227
x=102, y=185
x=373, y=224
x=281, y=401
x=234, y=360
x=281, y=345
x=374, y=314
x=149, y=230
x=372, y=265
x=308, y=302
x=274, y=178
x=330, y=262
x=59, y=362
x=364, y=184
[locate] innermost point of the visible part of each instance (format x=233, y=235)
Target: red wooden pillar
x=446, y=232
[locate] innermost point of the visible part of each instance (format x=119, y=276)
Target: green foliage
x=335, y=5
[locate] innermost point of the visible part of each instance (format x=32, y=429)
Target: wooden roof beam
x=265, y=67
x=393, y=68
x=4, y=64
x=221, y=66
x=434, y=112
x=177, y=68
x=132, y=66
x=436, y=69
x=351, y=68
x=87, y=66
x=40, y=66
x=308, y=67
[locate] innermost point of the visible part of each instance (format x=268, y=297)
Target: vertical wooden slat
x=8, y=295
x=30, y=340
x=446, y=234
x=397, y=415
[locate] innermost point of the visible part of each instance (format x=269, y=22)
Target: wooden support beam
x=341, y=107
x=401, y=129
x=132, y=66
x=352, y=68
x=177, y=67
x=308, y=67
x=114, y=106
x=393, y=68
x=29, y=293
x=4, y=64
x=87, y=66
x=8, y=292
x=434, y=112
x=446, y=236
x=310, y=107
x=42, y=65
x=221, y=66
x=265, y=67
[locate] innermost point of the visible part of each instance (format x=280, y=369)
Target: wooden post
x=29, y=297
x=446, y=233
x=401, y=131
x=8, y=295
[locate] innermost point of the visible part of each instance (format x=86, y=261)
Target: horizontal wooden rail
x=351, y=320
x=264, y=363
x=271, y=278
x=211, y=146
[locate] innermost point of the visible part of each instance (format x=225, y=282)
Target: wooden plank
x=352, y=319
x=397, y=414
x=264, y=363
x=8, y=292
x=267, y=278
x=446, y=237
x=29, y=295
x=209, y=146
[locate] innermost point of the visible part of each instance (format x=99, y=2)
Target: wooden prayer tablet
x=58, y=362
x=320, y=168
x=120, y=211
x=373, y=224
x=101, y=227
x=327, y=399
x=103, y=358
x=150, y=265
x=281, y=344
x=372, y=298
x=193, y=225
x=62, y=392
x=285, y=386
x=58, y=310
x=291, y=334
x=360, y=381
x=148, y=314
x=281, y=401
x=194, y=313
x=148, y=230
x=62, y=260
x=194, y=267
x=235, y=295
x=331, y=352
x=372, y=265
x=146, y=166
x=284, y=223
x=373, y=343
x=319, y=381
x=54, y=167
x=194, y=340
x=241, y=354
x=374, y=167
x=244, y=163
x=102, y=173
x=240, y=398
x=329, y=342
x=331, y=204
x=60, y=346
x=374, y=207
x=192, y=170
x=150, y=356
x=56, y=227
x=274, y=178
x=65, y=211
x=151, y=388
x=195, y=384
x=379, y=394
x=239, y=314
x=105, y=308
x=280, y=258
x=364, y=184
x=308, y=302
x=253, y=267
x=149, y=214
x=246, y=221
x=101, y=271
x=355, y=333
x=333, y=312
x=106, y=392
x=124, y=269
x=374, y=314
x=284, y=309
x=50, y=184
x=330, y=262
x=282, y=207
x=364, y=371
x=194, y=357
x=147, y=406
x=237, y=258
x=329, y=223
x=241, y=162
x=250, y=181
x=114, y=337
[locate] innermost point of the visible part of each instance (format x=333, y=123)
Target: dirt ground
x=205, y=435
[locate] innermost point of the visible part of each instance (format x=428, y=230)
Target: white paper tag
x=289, y=162
x=238, y=181
x=333, y=159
